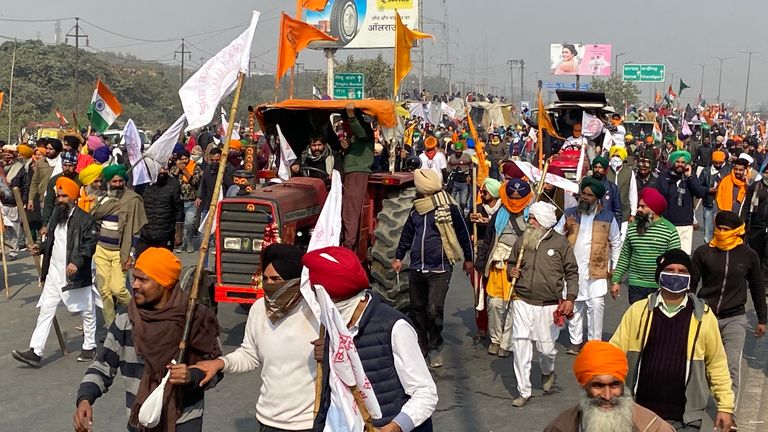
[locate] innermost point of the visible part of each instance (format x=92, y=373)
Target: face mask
x=197, y=158
x=674, y=282
x=347, y=307
x=616, y=162
x=281, y=297
x=214, y=166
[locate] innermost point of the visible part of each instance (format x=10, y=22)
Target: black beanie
x=673, y=256
x=729, y=219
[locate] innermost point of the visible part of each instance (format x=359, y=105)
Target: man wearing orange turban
x=601, y=369
x=434, y=159
x=145, y=340
x=66, y=273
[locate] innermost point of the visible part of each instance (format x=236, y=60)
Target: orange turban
x=718, y=156
x=161, y=265
x=600, y=358
x=430, y=142
x=69, y=187
x=235, y=144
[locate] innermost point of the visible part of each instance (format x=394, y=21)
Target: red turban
x=600, y=358
x=69, y=187
x=654, y=200
x=338, y=270
x=510, y=169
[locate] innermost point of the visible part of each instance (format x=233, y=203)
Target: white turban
x=747, y=158
x=544, y=213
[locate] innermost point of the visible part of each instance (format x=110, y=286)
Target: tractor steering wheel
x=304, y=170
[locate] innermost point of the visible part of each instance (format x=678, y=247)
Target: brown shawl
x=130, y=211
x=156, y=336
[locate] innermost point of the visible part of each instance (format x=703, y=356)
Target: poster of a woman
x=565, y=58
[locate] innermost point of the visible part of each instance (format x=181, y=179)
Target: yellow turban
x=90, y=173
x=161, y=265
x=600, y=358
x=25, y=151
x=618, y=151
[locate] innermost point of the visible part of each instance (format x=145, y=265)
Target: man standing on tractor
x=436, y=236
x=358, y=158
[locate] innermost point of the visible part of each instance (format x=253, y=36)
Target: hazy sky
x=482, y=34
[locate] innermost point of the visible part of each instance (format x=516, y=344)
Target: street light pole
x=749, y=67
x=701, y=85
x=616, y=62
x=720, y=78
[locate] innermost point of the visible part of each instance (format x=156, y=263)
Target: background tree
x=618, y=92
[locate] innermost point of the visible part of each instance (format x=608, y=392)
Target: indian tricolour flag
x=104, y=108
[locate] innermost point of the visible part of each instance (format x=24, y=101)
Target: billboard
x=362, y=23
x=580, y=59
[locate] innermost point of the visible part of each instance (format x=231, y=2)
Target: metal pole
x=616, y=63
x=511, y=64
x=522, y=78
x=329, y=53
x=720, y=78
x=749, y=68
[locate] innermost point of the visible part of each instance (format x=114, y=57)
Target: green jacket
x=359, y=155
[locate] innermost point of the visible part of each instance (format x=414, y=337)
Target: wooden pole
x=319, y=378
x=5, y=261
x=477, y=295
x=10, y=91
x=36, y=258
x=209, y=222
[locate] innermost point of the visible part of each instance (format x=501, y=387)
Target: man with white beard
x=595, y=236
x=606, y=405
x=547, y=262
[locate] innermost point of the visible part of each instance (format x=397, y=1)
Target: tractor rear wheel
x=389, y=225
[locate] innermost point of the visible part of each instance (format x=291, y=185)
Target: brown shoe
x=547, y=381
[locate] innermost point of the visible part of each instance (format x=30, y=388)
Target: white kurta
x=437, y=164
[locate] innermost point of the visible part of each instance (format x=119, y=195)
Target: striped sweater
x=118, y=353
x=639, y=252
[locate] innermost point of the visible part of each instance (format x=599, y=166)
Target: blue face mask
x=674, y=282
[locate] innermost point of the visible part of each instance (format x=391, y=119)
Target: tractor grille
x=241, y=230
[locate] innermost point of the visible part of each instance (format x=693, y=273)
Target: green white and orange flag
x=104, y=108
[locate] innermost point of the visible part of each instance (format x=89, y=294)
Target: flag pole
x=539, y=133
x=209, y=222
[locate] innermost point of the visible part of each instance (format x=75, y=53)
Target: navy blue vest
x=374, y=345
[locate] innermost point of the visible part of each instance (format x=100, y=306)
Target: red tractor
x=294, y=206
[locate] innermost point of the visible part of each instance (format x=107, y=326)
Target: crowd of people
x=542, y=257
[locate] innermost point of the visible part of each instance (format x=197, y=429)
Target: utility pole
x=720, y=78
x=449, y=66
x=77, y=35
x=183, y=52
x=616, y=63
x=749, y=69
x=512, y=64
x=421, y=46
x=701, y=86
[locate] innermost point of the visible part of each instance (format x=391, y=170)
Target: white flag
x=160, y=151
x=347, y=370
x=534, y=174
x=133, y=148
x=316, y=93
x=225, y=126
x=202, y=92
x=287, y=157
x=448, y=110
x=591, y=126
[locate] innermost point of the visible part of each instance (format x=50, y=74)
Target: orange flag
x=482, y=166
x=295, y=35
x=657, y=98
x=544, y=122
x=404, y=38
x=315, y=5
x=2, y=96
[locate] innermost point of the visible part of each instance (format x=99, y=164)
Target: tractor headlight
x=232, y=243
x=256, y=245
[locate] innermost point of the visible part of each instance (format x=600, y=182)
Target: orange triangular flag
x=543, y=121
x=315, y=5
x=295, y=35
x=404, y=38
x=2, y=96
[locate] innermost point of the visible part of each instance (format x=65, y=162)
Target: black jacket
x=757, y=218
x=679, y=215
x=50, y=197
x=709, y=181
x=207, y=182
x=485, y=248
x=164, y=209
x=81, y=245
x=724, y=276
x=703, y=156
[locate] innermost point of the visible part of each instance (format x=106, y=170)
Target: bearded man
x=606, y=404
x=547, y=266
x=612, y=197
x=757, y=219
x=623, y=177
x=506, y=225
x=433, y=159
x=68, y=167
x=644, y=176
x=141, y=345
x=732, y=189
x=595, y=236
x=90, y=178
x=120, y=214
x=649, y=236
x=317, y=156
x=66, y=273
